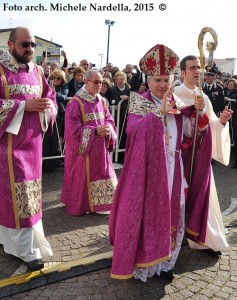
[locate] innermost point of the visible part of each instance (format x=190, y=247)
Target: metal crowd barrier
x=61, y=143
x=61, y=146
x=113, y=109
x=230, y=101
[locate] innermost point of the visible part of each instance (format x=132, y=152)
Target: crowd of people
x=117, y=84
x=67, y=80
x=154, y=201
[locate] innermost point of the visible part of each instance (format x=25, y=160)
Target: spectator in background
x=66, y=74
x=105, y=90
x=139, y=81
x=46, y=69
x=70, y=71
x=108, y=75
x=114, y=71
x=54, y=65
x=104, y=69
x=121, y=91
x=51, y=143
x=84, y=63
x=230, y=93
x=129, y=72
x=77, y=81
x=109, y=67
x=214, y=91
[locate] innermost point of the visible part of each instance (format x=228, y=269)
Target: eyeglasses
x=28, y=44
x=194, y=68
x=57, y=78
x=96, y=81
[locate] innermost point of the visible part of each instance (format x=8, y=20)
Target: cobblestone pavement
x=199, y=276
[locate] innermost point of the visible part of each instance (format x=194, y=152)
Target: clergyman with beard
x=27, y=109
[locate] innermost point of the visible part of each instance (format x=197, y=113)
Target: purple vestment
x=197, y=204
x=21, y=153
x=89, y=178
x=144, y=217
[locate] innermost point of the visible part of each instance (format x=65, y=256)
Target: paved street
x=199, y=276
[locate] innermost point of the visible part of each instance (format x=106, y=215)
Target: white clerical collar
x=157, y=100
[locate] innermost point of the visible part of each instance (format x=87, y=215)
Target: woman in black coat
x=121, y=91
x=76, y=82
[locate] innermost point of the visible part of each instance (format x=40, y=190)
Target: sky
x=83, y=34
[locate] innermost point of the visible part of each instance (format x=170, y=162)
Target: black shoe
x=212, y=252
x=35, y=265
x=184, y=241
x=169, y=275
x=234, y=166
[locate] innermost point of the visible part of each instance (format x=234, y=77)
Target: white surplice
x=26, y=243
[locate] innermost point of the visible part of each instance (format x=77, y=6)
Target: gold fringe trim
x=192, y=232
x=146, y=265
x=195, y=234
x=121, y=276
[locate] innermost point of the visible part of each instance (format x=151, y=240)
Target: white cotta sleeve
x=15, y=124
x=45, y=116
x=220, y=142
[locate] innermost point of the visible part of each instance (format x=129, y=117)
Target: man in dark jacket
x=214, y=91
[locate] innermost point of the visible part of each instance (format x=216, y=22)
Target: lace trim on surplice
x=144, y=273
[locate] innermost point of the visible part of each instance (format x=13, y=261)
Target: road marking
x=51, y=268
x=23, y=268
x=231, y=208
